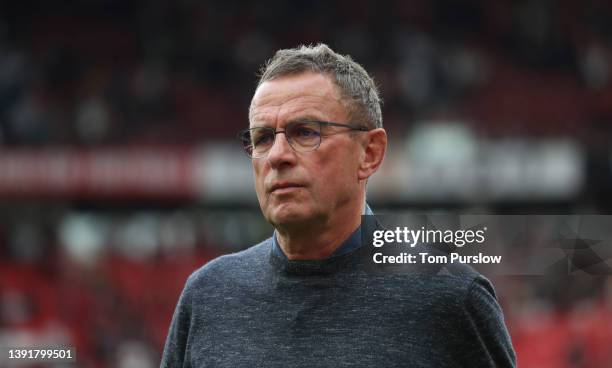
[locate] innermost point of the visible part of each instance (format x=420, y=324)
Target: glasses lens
x=245, y=139
x=304, y=136
x=261, y=140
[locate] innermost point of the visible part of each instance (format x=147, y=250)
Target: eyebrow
x=303, y=118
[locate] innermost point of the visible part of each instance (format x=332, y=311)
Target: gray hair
x=357, y=88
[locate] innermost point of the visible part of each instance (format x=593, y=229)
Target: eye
x=262, y=138
x=305, y=132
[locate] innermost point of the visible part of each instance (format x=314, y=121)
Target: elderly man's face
x=294, y=187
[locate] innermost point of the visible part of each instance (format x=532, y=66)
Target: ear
x=374, y=148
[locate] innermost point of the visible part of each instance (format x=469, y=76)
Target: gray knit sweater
x=258, y=309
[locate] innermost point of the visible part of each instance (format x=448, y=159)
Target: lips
x=281, y=187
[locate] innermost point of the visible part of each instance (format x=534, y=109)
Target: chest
x=321, y=324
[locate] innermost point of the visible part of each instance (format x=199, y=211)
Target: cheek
x=336, y=177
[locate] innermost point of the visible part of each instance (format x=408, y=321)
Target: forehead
x=306, y=95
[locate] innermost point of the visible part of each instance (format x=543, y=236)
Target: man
x=301, y=298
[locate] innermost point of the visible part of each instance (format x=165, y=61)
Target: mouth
x=280, y=188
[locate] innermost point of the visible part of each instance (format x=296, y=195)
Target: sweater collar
x=324, y=266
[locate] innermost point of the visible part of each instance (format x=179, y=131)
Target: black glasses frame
x=244, y=135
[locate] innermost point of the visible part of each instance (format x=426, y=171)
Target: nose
x=281, y=152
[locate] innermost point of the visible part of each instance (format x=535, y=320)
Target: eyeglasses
x=303, y=136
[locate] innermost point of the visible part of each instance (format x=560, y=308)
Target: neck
x=320, y=239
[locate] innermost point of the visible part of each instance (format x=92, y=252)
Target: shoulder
x=460, y=286
x=455, y=277
x=464, y=283
x=232, y=266
x=441, y=284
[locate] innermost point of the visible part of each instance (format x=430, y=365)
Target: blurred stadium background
x=119, y=175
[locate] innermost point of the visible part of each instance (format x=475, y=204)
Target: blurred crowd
x=110, y=71
x=129, y=73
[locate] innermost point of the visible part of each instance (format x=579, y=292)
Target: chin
x=286, y=214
